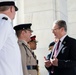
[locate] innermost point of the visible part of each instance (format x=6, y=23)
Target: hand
x=54, y=61
x=47, y=62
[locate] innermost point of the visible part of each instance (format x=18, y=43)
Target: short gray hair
x=61, y=23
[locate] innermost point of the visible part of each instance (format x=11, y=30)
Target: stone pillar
x=61, y=9
x=72, y=18
x=20, y=12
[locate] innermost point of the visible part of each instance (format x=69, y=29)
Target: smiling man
x=63, y=59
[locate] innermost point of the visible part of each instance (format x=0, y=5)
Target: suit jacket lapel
x=63, y=44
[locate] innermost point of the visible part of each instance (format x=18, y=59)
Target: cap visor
x=36, y=41
x=16, y=9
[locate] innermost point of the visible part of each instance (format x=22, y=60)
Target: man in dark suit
x=63, y=59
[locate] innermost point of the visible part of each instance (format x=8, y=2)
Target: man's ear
x=23, y=32
x=11, y=7
x=62, y=29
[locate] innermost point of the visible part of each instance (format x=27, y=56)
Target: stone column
x=20, y=12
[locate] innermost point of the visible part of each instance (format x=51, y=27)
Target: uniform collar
x=22, y=41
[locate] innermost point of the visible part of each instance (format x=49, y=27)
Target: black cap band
x=23, y=27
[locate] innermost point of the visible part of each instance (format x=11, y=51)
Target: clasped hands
x=51, y=62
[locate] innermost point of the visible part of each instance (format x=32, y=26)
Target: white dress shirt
x=60, y=46
x=10, y=57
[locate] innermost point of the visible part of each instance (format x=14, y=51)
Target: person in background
x=10, y=57
x=33, y=45
x=24, y=32
x=63, y=57
x=51, y=45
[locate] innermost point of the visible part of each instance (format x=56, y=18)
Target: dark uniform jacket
x=66, y=58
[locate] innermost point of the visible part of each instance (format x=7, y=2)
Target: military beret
x=8, y=3
x=23, y=26
x=51, y=44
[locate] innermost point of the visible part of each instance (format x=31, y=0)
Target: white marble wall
x=42, y=13
x=72, y=18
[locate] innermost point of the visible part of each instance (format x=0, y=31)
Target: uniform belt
x=32, y=67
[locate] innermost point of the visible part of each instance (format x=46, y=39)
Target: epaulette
x=5, y=18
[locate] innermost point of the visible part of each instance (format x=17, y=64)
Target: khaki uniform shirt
x=27, y=58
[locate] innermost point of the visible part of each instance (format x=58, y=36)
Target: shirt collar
x=22, y=41
x=63, y=37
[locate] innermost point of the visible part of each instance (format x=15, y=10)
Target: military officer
x=33, y=45
x=10, y=57
x=24, y=32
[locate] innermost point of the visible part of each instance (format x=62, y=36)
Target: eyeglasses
x=55, y=29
